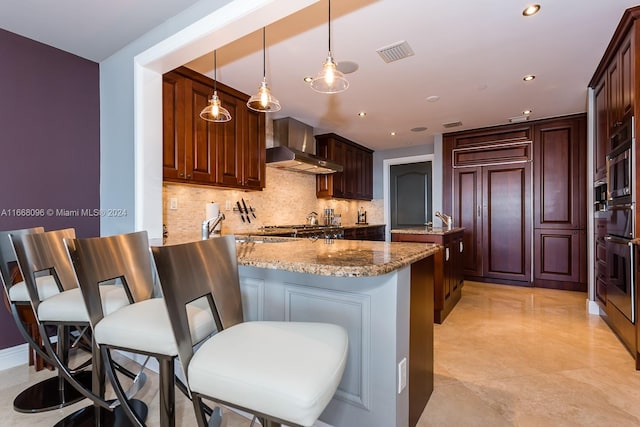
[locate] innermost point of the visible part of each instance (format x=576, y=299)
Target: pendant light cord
x=329, y=26
x=264, y=55
x=215, y=73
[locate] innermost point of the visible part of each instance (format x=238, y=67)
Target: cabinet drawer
x=601, y=252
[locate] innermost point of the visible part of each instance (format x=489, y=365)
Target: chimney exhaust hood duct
x=295, y=149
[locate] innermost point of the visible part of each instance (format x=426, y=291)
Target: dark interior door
x=410, y=194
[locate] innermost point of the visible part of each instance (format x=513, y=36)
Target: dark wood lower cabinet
x=559, y=259
x=448, y=275
x=363, y=232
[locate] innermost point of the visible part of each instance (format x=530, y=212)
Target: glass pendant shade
x=215, y=112
x=329, y=79
x=264, y=101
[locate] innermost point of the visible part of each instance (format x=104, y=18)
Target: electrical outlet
x=173, y=203
x=402, y=375
x=227, y=205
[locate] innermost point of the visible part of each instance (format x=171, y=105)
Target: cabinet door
x=350, y=173
x=229, y=144
x=559, y=258
x=173, y=127
x=626, y=76
x=254, y=151
x=601, y=145
x=331, y=185
x=507, y=221
x=467, y=208
x=613, y=99
x=559, y=162
x=200, y=145
x=367, y=175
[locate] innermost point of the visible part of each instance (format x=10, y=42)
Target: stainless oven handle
x=608, y=179
x=618, y=240
x=632, y=286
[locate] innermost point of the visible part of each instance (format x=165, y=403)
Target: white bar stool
x=282, y=372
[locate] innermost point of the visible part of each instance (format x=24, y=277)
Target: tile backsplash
x=287, y=199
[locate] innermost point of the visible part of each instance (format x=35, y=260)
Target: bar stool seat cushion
x=47, y=287
x=145, y=326
x=68, y=306
x=287, y=370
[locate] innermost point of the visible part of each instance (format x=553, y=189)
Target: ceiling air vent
x=395, y=51
x=451, y=125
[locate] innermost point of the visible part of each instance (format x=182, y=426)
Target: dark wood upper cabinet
x=195, y=151
x=601, y=125
x=173, y=137
x=356, y=180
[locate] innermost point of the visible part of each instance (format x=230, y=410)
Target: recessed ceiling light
x=433, y=98
x=362, y=113
x=347, y=67
x=308, y=79
x=528, y=77
x=393, y=134
x=531, y=10
x=527, y=112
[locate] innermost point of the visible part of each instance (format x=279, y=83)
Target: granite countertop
x=426, y=230
x=338, y=258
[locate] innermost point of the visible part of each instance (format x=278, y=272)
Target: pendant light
x=329, y=79
x=263, y=101
x=215, y=112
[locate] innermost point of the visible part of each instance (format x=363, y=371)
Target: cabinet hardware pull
x=189, y=176
x=446, y=254
x=478, y=211
x=181, y=174
x=461, y=246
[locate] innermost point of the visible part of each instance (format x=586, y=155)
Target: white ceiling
x=473, y=58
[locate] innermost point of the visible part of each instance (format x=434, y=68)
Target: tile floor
x=505, y=356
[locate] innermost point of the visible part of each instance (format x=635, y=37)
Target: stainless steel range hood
x=295, y=149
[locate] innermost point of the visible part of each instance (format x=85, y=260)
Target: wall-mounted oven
x=620, y=164
x=620, y=275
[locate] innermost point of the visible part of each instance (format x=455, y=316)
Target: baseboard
x=14, y=356
x=593, y=308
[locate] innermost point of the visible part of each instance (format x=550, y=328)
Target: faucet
x=209, y=225
x=447, y=220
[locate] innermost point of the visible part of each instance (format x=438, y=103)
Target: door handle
x=478, y=211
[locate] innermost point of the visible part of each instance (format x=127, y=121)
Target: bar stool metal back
x=52, y=393
x=41, y=254
x=142, y=327
x=283, y=372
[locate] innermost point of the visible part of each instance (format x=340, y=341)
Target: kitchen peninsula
x=381, y=292
x=448, y=277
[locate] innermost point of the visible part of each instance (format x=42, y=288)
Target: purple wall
x=49, y=143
